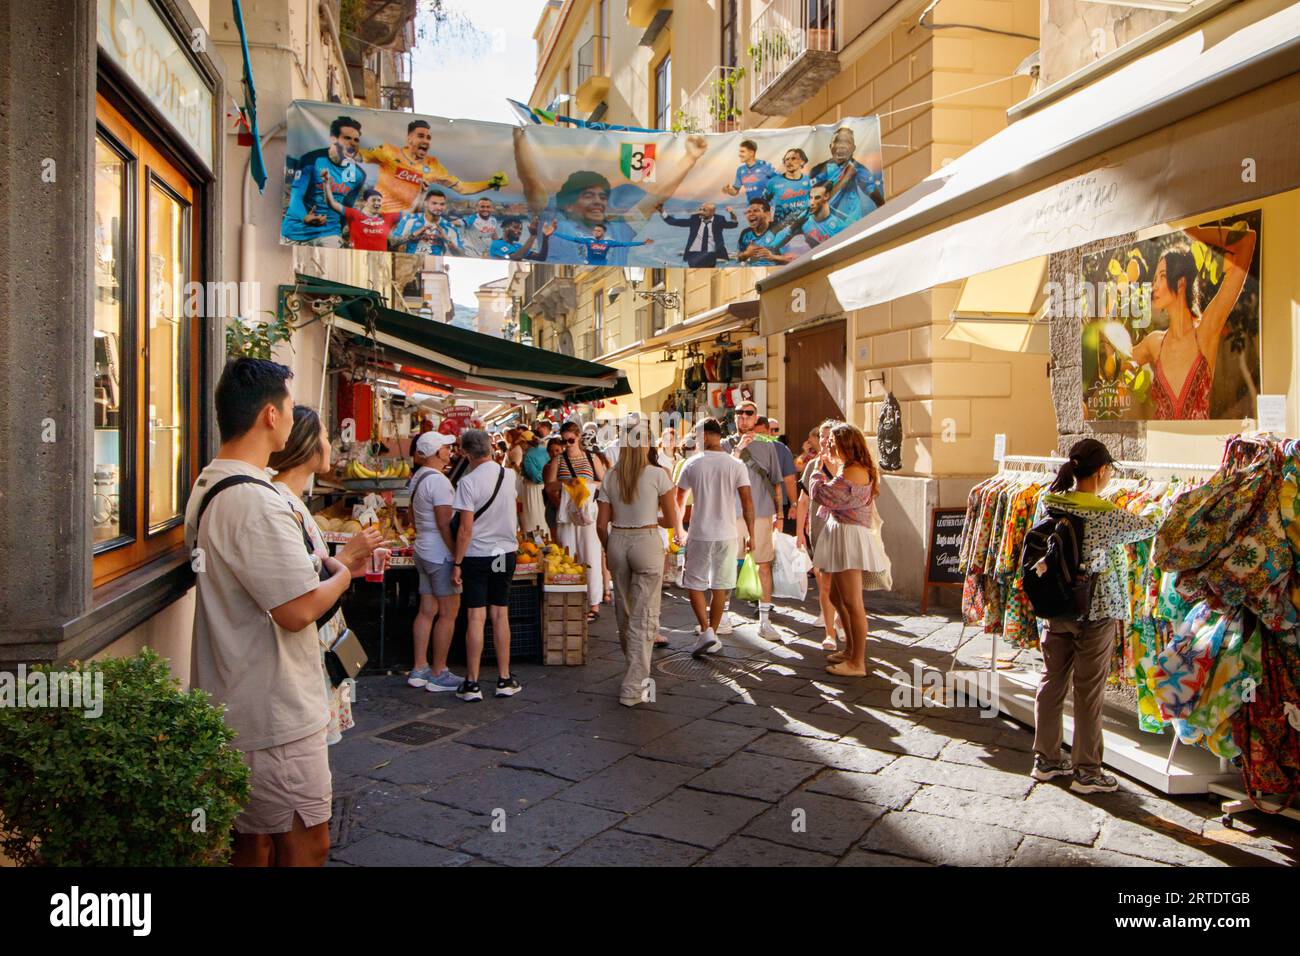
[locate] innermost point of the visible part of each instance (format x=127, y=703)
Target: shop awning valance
x=1208, y=120
x=731, y=317
x=466, y=355
x=1004, y=309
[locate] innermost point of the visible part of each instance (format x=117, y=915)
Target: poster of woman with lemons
x=1171, y=324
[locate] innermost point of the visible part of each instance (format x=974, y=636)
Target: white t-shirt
x=644, y=509
x=494, y=530
x=254, y=560
x=432, y=491
x=713, y=478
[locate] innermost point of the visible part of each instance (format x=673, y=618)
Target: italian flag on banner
x=637, y=160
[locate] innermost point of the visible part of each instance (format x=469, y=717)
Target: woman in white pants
x=581, y=539
x=636, y=500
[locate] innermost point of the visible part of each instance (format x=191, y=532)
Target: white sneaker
x=725, y=626
x=820, y=622
x=707, y=644
x=768, y=632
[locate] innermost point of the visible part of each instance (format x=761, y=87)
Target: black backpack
x=1052, y=568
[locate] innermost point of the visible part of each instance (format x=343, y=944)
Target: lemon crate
x=564, y=624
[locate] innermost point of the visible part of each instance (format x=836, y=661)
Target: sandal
x=829, y=643
x=836, y=658
x=843, y=669
x=593, y=616
x=661, y=641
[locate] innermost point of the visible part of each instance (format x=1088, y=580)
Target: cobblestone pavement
x=758, y=757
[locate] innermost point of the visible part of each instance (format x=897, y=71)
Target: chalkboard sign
x=945, y=546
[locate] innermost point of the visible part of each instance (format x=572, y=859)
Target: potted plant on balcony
x=775, y=49
x=723, y=95
x=684, y=122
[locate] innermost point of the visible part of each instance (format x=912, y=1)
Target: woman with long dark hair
x=849, y=543
x=808, y=528
x=307, y=453
x=1077, y=652
x=1182, y=358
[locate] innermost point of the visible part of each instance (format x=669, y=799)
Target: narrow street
x=755, y=757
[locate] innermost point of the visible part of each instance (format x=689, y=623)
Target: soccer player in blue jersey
x=788, y=193
x=760, y=244
x=310, y=219
x=751, y=175
x=583, y=201
x=511, y=248
x=821, y=221
x=597, y=246
x=856, y=190
x=428, y=232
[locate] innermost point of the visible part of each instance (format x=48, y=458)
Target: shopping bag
x=790, y=569
x=747, y=584
x=881, y=579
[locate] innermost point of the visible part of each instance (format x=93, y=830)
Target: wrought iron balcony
x=794, y=47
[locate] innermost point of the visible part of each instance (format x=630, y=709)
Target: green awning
x=472, y=356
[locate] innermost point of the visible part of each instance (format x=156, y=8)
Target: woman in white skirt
x=532, y=461
x=849, y=544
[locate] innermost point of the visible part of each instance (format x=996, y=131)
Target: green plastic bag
x=747, y=585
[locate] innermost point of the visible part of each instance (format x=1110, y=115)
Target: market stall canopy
x=1206, y=121
x=1005, y=309
x=466, y=356
x=732, y=317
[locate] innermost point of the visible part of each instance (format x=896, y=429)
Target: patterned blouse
x=841, y=499
x=1104, y=535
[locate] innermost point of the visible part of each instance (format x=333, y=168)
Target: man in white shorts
x=713, y=478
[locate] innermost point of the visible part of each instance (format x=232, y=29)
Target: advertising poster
x=1170, y=324
x=381, y=180
x=754, y=356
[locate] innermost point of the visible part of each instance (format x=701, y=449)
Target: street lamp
x=665, y=298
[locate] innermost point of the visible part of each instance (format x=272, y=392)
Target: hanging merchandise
x=889, y=434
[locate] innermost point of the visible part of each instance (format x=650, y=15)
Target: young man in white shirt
x=431, y=501
x=485, y=500
x=259, y=595
x=713, y=478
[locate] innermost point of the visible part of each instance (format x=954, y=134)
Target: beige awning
x=1004, y=309
x=1209, y=120
x=711, y=323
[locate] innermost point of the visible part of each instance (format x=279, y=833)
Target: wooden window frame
x=663, y=111
x=147, y=166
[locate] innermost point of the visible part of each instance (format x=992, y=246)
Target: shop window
x=146, y=350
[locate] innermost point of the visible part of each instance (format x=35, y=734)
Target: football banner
x=388, y=181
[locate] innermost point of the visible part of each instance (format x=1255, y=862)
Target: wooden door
x=815, y=363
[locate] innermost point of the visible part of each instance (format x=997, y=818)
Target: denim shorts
x=435, y=577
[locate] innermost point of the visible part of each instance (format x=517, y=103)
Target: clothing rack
x=1133, y=769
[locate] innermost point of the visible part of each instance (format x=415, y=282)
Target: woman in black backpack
x=1077, y=649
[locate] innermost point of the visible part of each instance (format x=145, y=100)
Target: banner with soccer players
x=381, y=180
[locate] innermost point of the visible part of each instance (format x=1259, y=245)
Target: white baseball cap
x=427, y=445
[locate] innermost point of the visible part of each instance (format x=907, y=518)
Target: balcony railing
x=593, y=58
x=794, y=48
x=717, y=104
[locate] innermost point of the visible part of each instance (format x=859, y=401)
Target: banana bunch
x=394, y=469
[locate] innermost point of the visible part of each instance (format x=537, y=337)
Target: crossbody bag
x=455, y=519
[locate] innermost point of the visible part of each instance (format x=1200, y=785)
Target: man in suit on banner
x=704, y=242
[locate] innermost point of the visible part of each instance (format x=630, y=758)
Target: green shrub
x=152, y=781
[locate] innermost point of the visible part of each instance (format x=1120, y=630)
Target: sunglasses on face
x=571, y=441
x=746, y=412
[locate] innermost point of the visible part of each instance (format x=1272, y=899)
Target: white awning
x=1162, y=138
x=1004, y=309
x=731, y=317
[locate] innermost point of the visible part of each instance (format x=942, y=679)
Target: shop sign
x=137, y=39
x=754, y=363
x=455, y=419
x=1170, y=324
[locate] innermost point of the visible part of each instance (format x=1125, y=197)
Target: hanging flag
x=257, y=168
x=531, y=114
x=637, y=160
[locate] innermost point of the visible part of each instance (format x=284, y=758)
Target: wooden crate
x=564, y=625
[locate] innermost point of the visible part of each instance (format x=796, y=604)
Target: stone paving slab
x=573, y=706
x=1150, y=843
x=867, y=858
x=800, y=724
x=888, y=731
x=634, y=725
x=816, y=822
x=572, y=756
x=619, y=848
x=631, y=784
x=755, y=775
x=429, y=823
x=517, y=732
x=1038, y=851
x=961, y=776
x=542, y=834
x=436, y=764
x=696, y=817
x=828, y=752
x=385, y=850
x=747, y=851
x=922, y=836
x=1036, y=819
x=492, y=788
x=701, y=743
x=892, y=793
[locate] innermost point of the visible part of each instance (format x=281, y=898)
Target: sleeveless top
x=576, y=466
x=1194, y=401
